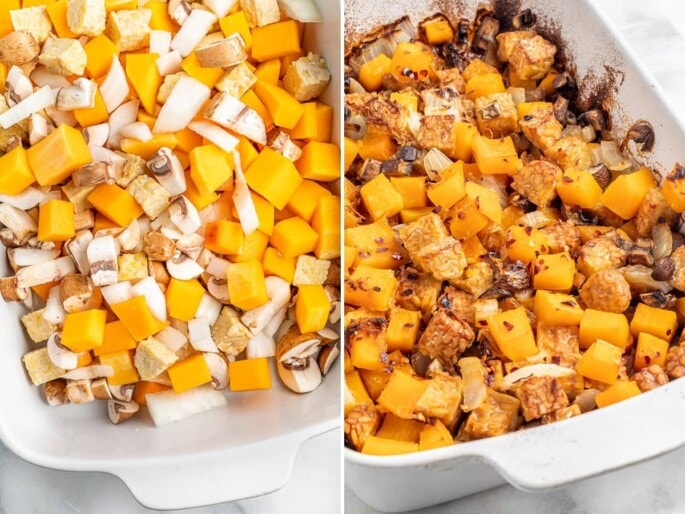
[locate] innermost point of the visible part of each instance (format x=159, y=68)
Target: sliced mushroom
x=122, y=392
x=659, y=300
x=84, y=220
x=27, y=199
x=182, y=267
x=327, y=356
x=10, y=292
x=130, y=238
x=200, y=335
x=333, y=295
x=18, y=87
x=218, y=288
x=121, y=411
x=77, y=250
x=223, y=53
x=233, y=114
x=663, y=269
x=79, y=96
x=179, y=10
x=19, y=222
x=79, y=391
x=204, y=257
x=168, y=171
x=217, y=267
x=43, y=273
x=102, y=257
x=303, y=378
x=18, y=47
x=278, y=291
x=78, y=294
x=641, y=134
x=184, y=215
x=283, y=144
x=218, y=369
x=60, y=355
x=54, y=309
x=100, y=389
x=56, y=392
x=158, y=271
x=39, y=128
x=158, y=247
x=92, y=174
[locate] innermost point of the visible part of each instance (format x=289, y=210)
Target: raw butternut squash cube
x=650, y=350
x=412, y=190
x=447, y=192
x=380, y=198
x=413, y=61
x=660, y=323
x=402, y=393
x=554, y=272
x=324, y=123
x=15, y=172
x=183, y=298
x=358, y=393
x=274, y=177
x=433, y=437
x=199, y=200
x=224, y=237
x=403, y=329
x=580, y=189
x=553, y=308
x=254, y=246
x=115, y=203
x=600, y=362
x=57, y=11
x=283, y=108
x=100, y=50
x=379, y=446
x=486, y=201
x=125, y=371
x=93, y=115
x=84, y=330
x=237, y=22
x=311, y=308
x=269, y=71
x=276, y=265
x=208, y=76
x=118, y=5
x=141, y=70
x=326, y=222
x=607, y=326
x=513, y=334
x=464, y=135
x=438, y=31
x=293, y=237
x=626, y=192
x=143, y=388
x=495, y=156
x=103, y=223
x=400, y=429
x=137, y=318
x=319, y=161
x=246, y=286
x=621, y=390
x=160, y=16
x=371, y=72
x=275, y=40
x=307, y=127
x=249, y=374
x=58, y=155
x=148, y=148
x=251, y=99
x=116, y=339
x=371, y=288
x=189, y=373
x=375, y=245
x=56, y=221
x=306, y=198
x=484, y=85
x=466, y=219
x=525, y=244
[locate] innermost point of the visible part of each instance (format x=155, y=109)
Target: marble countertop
x=656, y=32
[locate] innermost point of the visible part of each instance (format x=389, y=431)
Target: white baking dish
x=556, y=454
x=243, y=450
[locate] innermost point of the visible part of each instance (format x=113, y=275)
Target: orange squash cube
x=486, y=201
x=183, y=298
x=100, y=51
x=379, y=446
x=254, y=247
x=115, y=203
x=199, y=200
x=277, y=265
x=305, y=200
x=554, y=272
x=371, y=288
x=208, y=76
x=125, y=371
x=403, y=329
x=56, y=221
x=579, y=188
x=293, y=237
x=84, y=330
x=438, y=31
x=402, y=393
x=661, y=323
x=413, y=61
x=283, y=108
x=269, y=71
x=371, y=72
x=249, y=374
x=237, y=22
x=275, y=40
x=246, y=286
x=513, y=334
x=467, y=219
x=148, y=148
x=58, y=155
x=141, y=70
x=650, y=350
x=553, y=308
x=224, y=237
x=57, y=10
x=312, y=308
x=412, y=190
x=375, y=245
x=116, y=339
x=358, y=393
x=380, y=198
x=484, y=85
x=400, y=429
x=189, y=373
x=324, y=123
x=274, y=177
x=626, y=192
x=621, y=390
x=307, y=127
x=15, y=172
x=464, y=134
x=143, y=388
x=525, y=244
x=94, y=115
x=447, y=192
x=434, y=436
x=137, y=318
x=326, y=222
x=607, y=326
x=495, y=156
x=320, y=161
x=600, y=362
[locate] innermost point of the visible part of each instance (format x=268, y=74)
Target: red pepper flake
x=568, y=180
x=556, y=359
x=482, y=322
x=379, y=240
x=377, y=289
x=528, y=230
x=508, y=326
x=669, y=332
x=408, y=325
x=647, y=359
x=569, y=303
x=461, y=215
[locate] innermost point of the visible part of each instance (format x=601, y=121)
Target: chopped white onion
x=137, y=130
x=242, y=199
x=612, y=158
x=169, y=63
x=97, y=135
x=27, y=199
x=124, y=115
x=160, y=42
x=172, y=338
x=435, y=162
x=588, y=133
x=60, y=117
x=114, y=89
x=518, y=94
x=19, y=83
x=169, y=407
x=221, y=138
x=534, y=370
x=89, y=372
x=261, y=345
x=209, y=308
x=102, y=154
x=117, y=293
x=41, y=99
x=220, y=7
x=42, y=77
x=200, y=335
x=301, y=10
x=195, y=28
x=183, y=104
x=154, y=297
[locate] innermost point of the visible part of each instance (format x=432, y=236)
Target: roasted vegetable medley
x=507, y=261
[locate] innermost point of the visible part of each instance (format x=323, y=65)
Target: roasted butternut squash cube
x=413, y=61
x=484, y=85
x=15, y=172
x=554, y=272
x=554, y=308
x=246, y=286
x=249, y=374
x=115, y=203
x=600, y=362
x=626, y=192
x=375, y=245
x=486, y=201
x=183, y=298
x=380, y=198
x=661, y=323
x=434, y=436
x=525, y=244
x=400, y=429
x=607, y=326
x=412, y=190
x=311, y=308
x=125, y=371
x=274, y=177
x=579, y=189
x=56, y=221
x=495, y=156
x=650, y=350
x=116, y=339
x=84, y=330
x=189, y=373
x=402, y=393
x=374, y=381
x=58, y=155
x=438, y=31
x=464, y=135
x=621, y=390
x=379, y=446
x=357, y=391
x=224, y=237
x=319, y=161
x=371, y=288
x=403, y=329
x=466, y=219
x=513, y=334
x=137, y=318
x=377, y=145
x=293, y=237
x=371, y=72
x=447, y=192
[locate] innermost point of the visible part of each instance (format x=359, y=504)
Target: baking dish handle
x=212, y=477
x=608, y=439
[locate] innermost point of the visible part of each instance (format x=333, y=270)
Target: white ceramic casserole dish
x=561, y=453
x=243, y=450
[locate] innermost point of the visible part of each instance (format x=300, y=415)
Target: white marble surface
x=656, y=32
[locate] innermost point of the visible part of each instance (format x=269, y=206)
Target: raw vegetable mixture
x=507, y=262
x=168, y=196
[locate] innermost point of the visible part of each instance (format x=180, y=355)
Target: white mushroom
x=89, y=372
x=220, y=7
x=168, y=171
x=233, y=114
x=200, y=335
x=217, y=267
x=260, y=345
x=295, y=357
x=78, y=294
x=60, y=355
x=79, y=96
x=84, y=220
x=303, y=378
x=79, y=391
x=130, y=238
x=182, y=267
x=278, y=291
x=204, y=257
x=184, y=215
x=157, y=246
x=56, y=392
x=275, y=322
x=19, y=222
x=191, y=245
x=54, y=310
x=223, y=53
x=179, y=10
x=154, y=297
x=43, y=273
x=169, y=63
x=327, y=356
x=100, y=389
x=209, y=308
x=218, y=369
x=218, y=288
x=97, y=135
x=122, y=392
x=77, y=249
x=18, y=85
x=172, y=338
x=39, y=128
x=102, y=258
x=92, y=174
x=119, y=411
x=59, y=117
x=30, y=256
x=10, y=292
x=281, y=142
x=27, y=199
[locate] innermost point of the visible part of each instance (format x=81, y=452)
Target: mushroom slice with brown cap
x=158, y=247
x=168, y=171
x=43, y=273
x=296, y=360
x=218, y=369
x=79, y=96
x=223, y=53
x=56, y=392
x=102, y=257
x=10, y=292
x=78, y=294
x=283, y=144
x=184, y=215
x=92, y=174
x=278, y=291
x=233, y=114
x=218, y=288
x=39, y=128
x=121, y=411
x=327, y=356
x=60, y=355
x=217, y=267
x=29, y=256
x=182, y=267
x=122, y=392
x=77, y=250
x=18, y=47
x=18, y=85
x=303, y=377
x=79, y=391
x=19, y=222
x=100, y=389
